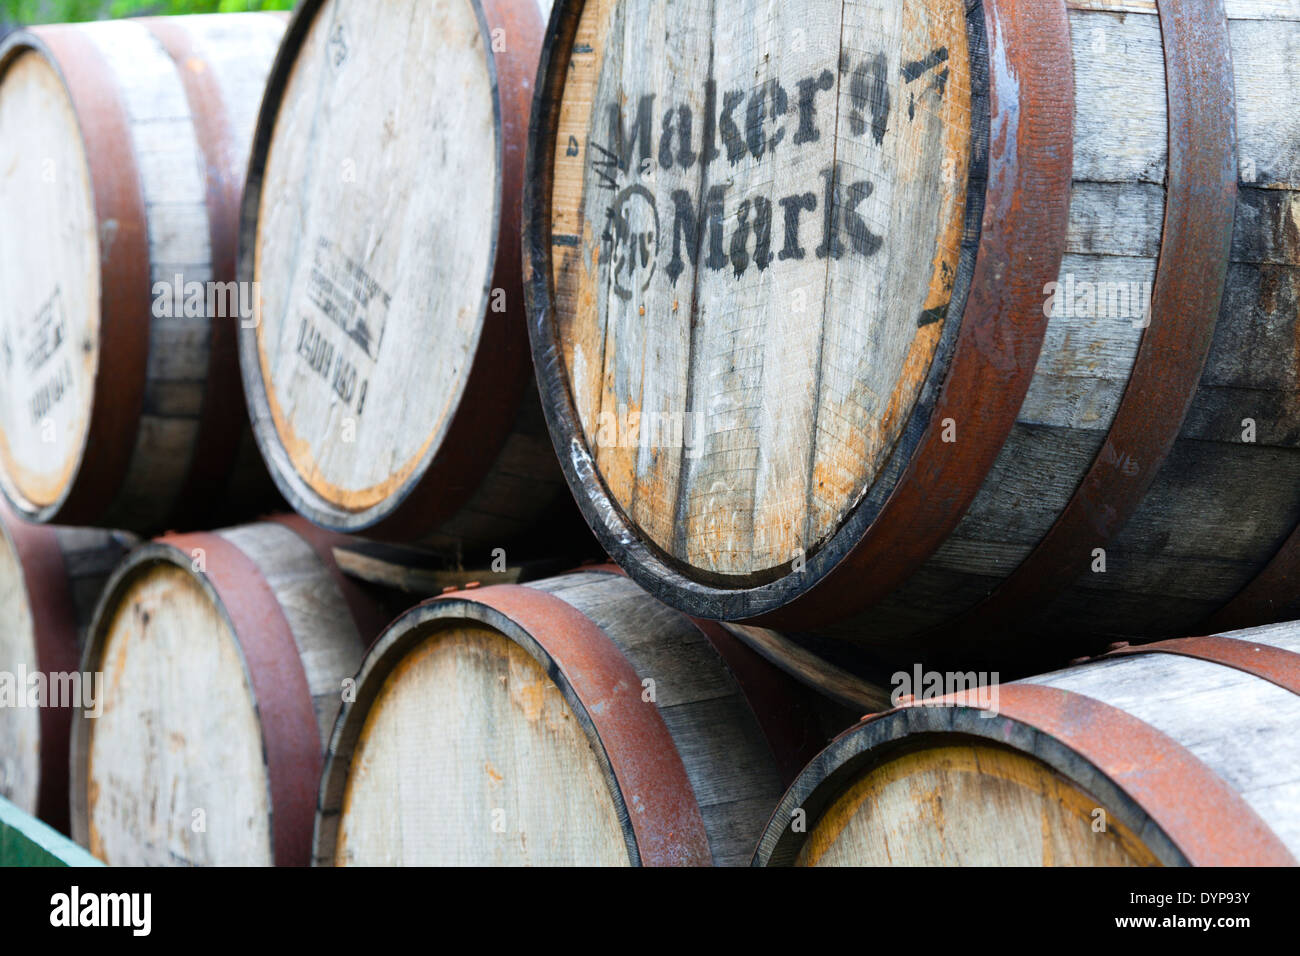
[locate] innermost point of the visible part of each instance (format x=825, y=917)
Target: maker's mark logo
x=735, y=232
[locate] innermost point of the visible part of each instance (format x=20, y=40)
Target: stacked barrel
x=125, y=145
x=923, y=372
x=980, y=317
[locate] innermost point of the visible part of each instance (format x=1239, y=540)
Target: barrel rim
x=999, y=337
x=480, y=416
x=646, y=834
x=1135, y=770
x=288, y=716
x=117, y=194
x=881, y=738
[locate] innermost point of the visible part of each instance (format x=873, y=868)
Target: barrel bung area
x=652, y=433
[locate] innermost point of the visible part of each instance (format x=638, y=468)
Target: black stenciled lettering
x=626, y=140
x=709, y=149
x=740, y=240
x=912, y=70
x=869, y=92
x=731, y=137
x=793, y=206
x=762, y=232
x=808, y=90
x=863, y=240
x=830, y=244
x=772, y=93
x=687, y=227
x=685, y=154
x=840, y=207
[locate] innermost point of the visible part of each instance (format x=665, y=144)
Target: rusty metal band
x=367, y=614
x=125, y=286
x=54, y=633
x=1031, y=156
x=783, y=707
x=1216, y=828
x=661, y=805
x=1200, y=203
x=223, y=417
x=1272, y=595
x=1276, y=665
x=290, y=736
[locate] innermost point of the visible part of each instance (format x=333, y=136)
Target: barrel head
x=754, y=222
x=371, y=230
x=470, y=755
x=172, y=772
x=49, y=269
x=961, y=803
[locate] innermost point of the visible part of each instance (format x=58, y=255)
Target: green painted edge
x=26, y=841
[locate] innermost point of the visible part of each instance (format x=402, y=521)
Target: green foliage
x=68, y=11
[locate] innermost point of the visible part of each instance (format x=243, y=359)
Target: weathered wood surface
x=120, y=401
x=952, y=787
x=1222, y=504
x=710, y=524
x=179, y=768
x=967, y=805
x=466, y=744
x=757, y=217
x=387, y=374
x=50, y=580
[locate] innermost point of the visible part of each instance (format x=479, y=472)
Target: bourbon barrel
x=122, y=148
x=569, y=721
x=224, y=657
x=50, y=579
x=1181, y=752
x=927, y=318
x=388, y=376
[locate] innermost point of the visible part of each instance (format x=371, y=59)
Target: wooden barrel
x=50, y=579
x=1182, y=752
x=224, y=657
x=123, y=146
x=388, y=376
x=569, y=721
x=927, y=312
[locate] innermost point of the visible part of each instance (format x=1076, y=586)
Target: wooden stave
x=292, y=738
x=667, y=829
x=1156, y=586
x=832, y=603
x=63, y=570
x=1095, y=746
x=498, y=395
x=113, y=446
